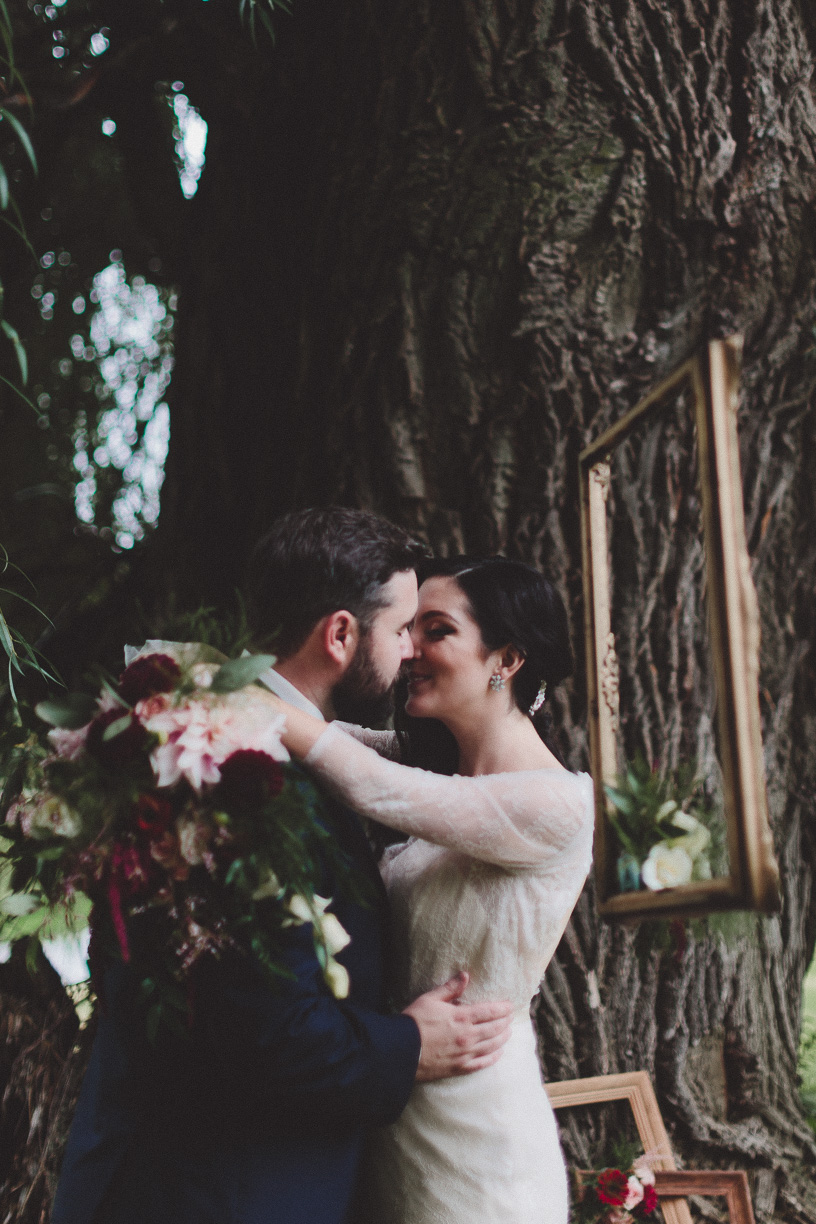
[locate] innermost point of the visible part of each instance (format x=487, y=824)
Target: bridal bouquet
x=170, y=794
x=617, y=1196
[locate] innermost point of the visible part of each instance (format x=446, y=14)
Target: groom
x=259, y=1114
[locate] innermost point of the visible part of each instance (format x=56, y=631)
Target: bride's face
x=451, y=667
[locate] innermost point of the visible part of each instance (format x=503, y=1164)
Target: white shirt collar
x=284, y=689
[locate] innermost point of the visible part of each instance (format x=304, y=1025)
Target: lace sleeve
x=515, y=819
x=384, y=743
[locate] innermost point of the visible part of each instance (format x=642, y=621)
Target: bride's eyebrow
x=433, y=612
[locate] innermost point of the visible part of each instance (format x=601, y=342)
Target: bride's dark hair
x=513, y=605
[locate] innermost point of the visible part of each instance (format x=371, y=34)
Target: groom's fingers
x=453, y=989
x=457, y=1038
x=485, y=1013
x=490, y=1032
x=479, y=1063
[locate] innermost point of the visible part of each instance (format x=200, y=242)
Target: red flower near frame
x=612, y=1187
x=648, y=1203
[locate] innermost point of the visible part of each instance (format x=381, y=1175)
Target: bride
x=497, y=857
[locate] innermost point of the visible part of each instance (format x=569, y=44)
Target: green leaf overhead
x=238, y=673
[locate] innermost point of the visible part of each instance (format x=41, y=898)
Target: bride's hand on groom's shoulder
x=458, y=1038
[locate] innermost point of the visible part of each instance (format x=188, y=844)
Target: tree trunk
x=437, y=249
x=518, y=217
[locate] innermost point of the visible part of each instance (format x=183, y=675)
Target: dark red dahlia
x=612, y=1187
x=122, y=747
x=155, y=673
x=249, y=778
x=154, y=815
x=648, y=1203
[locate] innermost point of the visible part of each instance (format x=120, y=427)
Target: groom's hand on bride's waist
x=458, y=1038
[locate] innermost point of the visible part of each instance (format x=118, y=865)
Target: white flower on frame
x=666, y=867
x=634, y=1194
x=644, y=1172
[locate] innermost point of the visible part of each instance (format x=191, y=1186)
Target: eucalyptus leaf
x=68, y=712
x=238, y=673
x=17, y=904
x=116, y=728
x=51, y=853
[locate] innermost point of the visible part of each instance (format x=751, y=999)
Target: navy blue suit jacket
x=259, y=1115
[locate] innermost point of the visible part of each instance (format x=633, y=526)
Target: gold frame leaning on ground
x=731, y=1184
x=636, y=1088
x=712, y=376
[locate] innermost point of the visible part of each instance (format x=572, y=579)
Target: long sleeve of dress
x=520, y=819
x=384, y=743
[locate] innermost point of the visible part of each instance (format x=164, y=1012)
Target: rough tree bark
x=485, y=227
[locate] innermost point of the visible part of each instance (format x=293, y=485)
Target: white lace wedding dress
x=487, y=883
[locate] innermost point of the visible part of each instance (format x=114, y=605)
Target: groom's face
x=365, y=692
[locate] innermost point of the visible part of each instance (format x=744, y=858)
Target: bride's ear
x=511, y=661
x=341, y=634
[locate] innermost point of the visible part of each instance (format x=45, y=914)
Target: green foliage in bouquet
x=668, y=830
x=169, y=804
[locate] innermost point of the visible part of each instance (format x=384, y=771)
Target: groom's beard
x=363, y=695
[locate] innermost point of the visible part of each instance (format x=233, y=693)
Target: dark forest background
x=435, y=248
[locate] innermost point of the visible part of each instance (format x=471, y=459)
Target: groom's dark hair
x=314, y=562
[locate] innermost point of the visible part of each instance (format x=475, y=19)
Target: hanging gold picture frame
x=708, y=384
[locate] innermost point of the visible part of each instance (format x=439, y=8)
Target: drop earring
x=539, y=701
x=496, y=682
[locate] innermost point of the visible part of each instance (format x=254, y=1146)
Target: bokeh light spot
x=131, y=345
x=190, y=134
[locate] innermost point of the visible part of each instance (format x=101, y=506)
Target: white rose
x=643, y=1170
x=666, y=867
x=634, y=1194
x=337, y=979
x=334, y=935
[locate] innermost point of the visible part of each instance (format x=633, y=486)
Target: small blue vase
x=628, y=873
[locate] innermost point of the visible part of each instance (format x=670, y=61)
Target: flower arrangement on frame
x=668, y=831
x=617, y=1195
x=169, y=801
